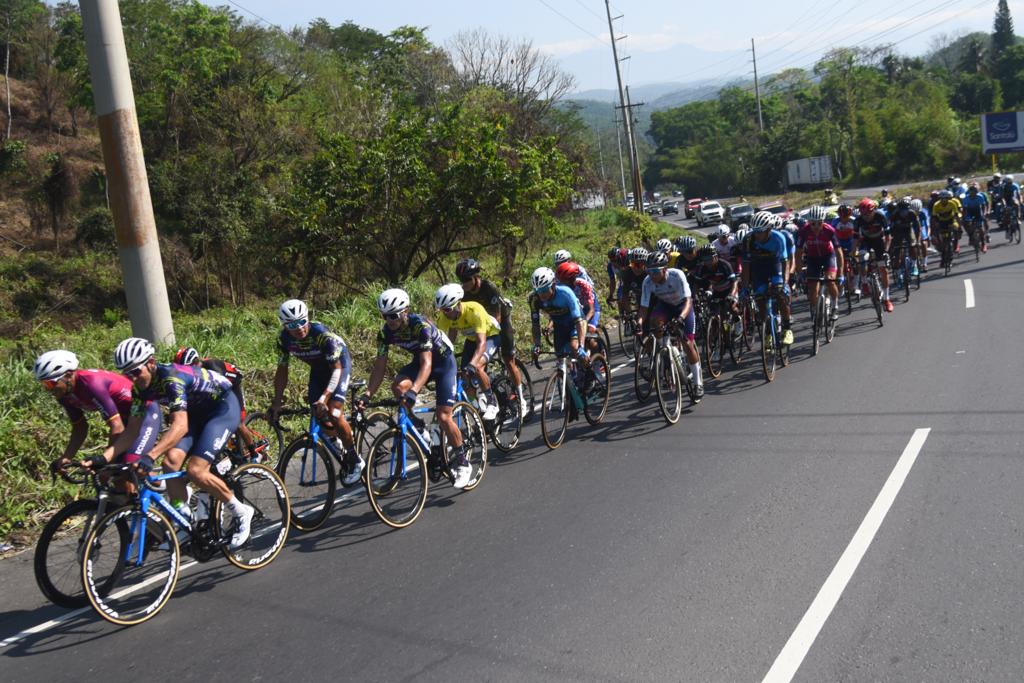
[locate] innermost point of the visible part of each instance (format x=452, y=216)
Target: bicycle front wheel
x=374, y=422
x=474, y=438
x=767, y=350
x=308, y=475
x=626, y=340
x=597, y=389
x=58, y=557
x=668, y=385
x=396, y=478
x=509, y=424
x=262, y=428
x=261, y=488
x=643, y=371
x=554, y=411
x=713, y=346
x=819, y=319
x=141, y=550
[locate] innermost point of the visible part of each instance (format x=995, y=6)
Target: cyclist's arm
x=116, y=427
x=177, y=428
x=535, y=321
x=125, y=439
x=280, y=384
x=376, y=374
x=79, y=431
x=332, y=383
x=481, y=347
x=581, y=329
x=687, y=307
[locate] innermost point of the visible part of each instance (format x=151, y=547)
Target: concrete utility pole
x=638, y=185
x=757, y=88
x=638, y=200
x=143, y=271
x=622, y=170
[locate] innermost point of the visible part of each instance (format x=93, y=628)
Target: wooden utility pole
x=130, y=203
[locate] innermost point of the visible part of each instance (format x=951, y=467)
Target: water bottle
x=202, y=505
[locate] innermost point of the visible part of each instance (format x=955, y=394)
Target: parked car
x=710, y=213
x=669, y=207
x=692, y=205
x=735, y=214
x=778, y=208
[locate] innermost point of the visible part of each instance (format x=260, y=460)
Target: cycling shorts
x=819, y=266
x=443, y=373
x=875, y=245
x=320, y=377
x=491, y=347
x=563, y=336
x=210, y=425
x=663, y=312
x=762, y=288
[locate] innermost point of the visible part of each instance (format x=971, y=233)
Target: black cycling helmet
x=467, y=268
x=657, y=259
x=706, y=252
x=845, y=210
x=904, y=204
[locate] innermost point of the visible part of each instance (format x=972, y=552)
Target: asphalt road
x=639, y=551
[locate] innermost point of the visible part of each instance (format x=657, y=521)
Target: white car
x=709, y=213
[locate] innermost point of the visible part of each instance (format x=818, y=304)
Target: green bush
x=12, y=157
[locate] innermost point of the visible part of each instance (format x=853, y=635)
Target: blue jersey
x=180, y=387
x=1010, y=191
x=416, y=336
x=974, y=205
x=563, y=307
x=774, y=249
x=321, y=348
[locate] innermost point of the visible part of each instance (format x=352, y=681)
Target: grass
x=34, y=431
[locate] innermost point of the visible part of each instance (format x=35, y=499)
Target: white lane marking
x=792, y=655
x=969, y=290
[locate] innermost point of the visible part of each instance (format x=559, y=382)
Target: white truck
x=809, y=173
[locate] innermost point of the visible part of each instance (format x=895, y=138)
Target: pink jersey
x=584, y=291
x=107, y=392
x=816, y=245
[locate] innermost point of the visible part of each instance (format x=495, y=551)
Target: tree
x=1003, y=37
x=16, y=16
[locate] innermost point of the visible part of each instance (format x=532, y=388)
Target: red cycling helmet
x=867, y=205
x=567, y=272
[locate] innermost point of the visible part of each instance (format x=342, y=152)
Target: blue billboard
x=1001, y=132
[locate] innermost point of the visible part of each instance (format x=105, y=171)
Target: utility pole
x=757, y=88
x=600, y=154
x=130, y=203
x=633, y=163
x=622, y=170
x=638, y=186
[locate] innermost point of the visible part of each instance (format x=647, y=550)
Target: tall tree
x=15, y=18
x=1003, y=37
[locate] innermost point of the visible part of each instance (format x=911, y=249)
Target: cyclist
x=618, y=263
x=923, y=217
x=568, y=274
x=886, y=203
x=724, y=242
x=1011, y=198
x=687, y=261
x=788, y=230
x=765, y=258
x=946, y=213
x=485, y=293
x=562, y=306
x=203, y=414
x=482, y=338
x=905, y=229
x=873, y=237
x=975, y=206
x=716, y=274
x=187, y=355
x=330, y=368
x=433, y=358
x=633, y=279
x=818, y=248
x=672, y=301
x=81, y=391
x=563, y=256
x=846, y=230
x=994, y=185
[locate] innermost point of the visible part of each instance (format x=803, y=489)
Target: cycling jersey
x=488, y=296
x=724, y=250
x=905, y=224
x=817, y=244
x=631, y=281
x=845, y=232
x=107, y=392
x=180, y=387
x=321, y=348
x=416, y=336
x=871, y=228
x=673, y=290
x=472, y=320
x=719, y=277
x=774, y=249
x=974, y=206
x=563, y=308
x=230, y=372
x=946, y=210
x=687, y=263
x=1010, y=192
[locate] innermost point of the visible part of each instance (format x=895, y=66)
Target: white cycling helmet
x=664, y=244
x=54, y=364
x=392, y=301
x=816, y=213
x=722, y=231
x=742, y=233
x=561, y=256
x=1008, y=178
x=543, y=278
x=763, y=221
x=132, y=352
x=916, y=205
x=687, y=244
x=448, y=295
x=292, y=310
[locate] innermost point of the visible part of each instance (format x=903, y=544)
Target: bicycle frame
x=148, y=497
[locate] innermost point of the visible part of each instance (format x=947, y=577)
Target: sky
x=668, y=41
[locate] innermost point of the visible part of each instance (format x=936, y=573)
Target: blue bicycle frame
x=135, y=551
x=314, y=435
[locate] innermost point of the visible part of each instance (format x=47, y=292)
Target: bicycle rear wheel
x=816, y=326
x=643, y=371
x=527, y=390
x=598, y=389
x=830, y=322
x=308, y=476
x=58, y=557
x=261, y=427
x=374, y=422
x=626, y=339
x=471, y=427
x=767, y=350
x=262, y=488
x=669, y=386
x=142, y=552
x=508, y=425
x=554, y=411
x=396, y=478
x=714, y=346
x=876, y=297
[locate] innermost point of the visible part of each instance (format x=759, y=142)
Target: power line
x=250, y=12
x=593, y=35
x=584, y=6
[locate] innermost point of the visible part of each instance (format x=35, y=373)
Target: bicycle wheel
x=767, y=350
x=597, y=389
x=58, y=556
x=554, y=410
x=509, y=424
x=142, y=552
x=374, y=422
x=396, y=478
x=261, y=427
x=527, y=390
x=748, y=327
x=714, y=346
x=474, y=437
x=830, y=323
x=603, y=334
x=1016, y=230
x=876, y=297
x=669, y=386
x=262, y=488
x=817, y=322
x=643, y=371
x=626, y=339
x=308, y=476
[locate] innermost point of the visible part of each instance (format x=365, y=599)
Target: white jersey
x=674, y=290
x=724, y=250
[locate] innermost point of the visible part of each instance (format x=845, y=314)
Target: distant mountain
x=649, y=92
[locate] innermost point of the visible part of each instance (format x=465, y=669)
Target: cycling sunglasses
x=655, y=271
x=391, y=316
x=49, y=384
x=296, y=324
x=134, y=372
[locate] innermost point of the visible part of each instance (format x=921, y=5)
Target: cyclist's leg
x=213, y=429
x=508, y=352
x=831, y=270
x=335, y=404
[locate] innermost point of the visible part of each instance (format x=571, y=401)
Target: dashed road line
x=969, y=290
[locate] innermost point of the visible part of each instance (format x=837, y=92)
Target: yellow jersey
x=946, y=210
x=473, y=319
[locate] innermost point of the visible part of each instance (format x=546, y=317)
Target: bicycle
x=570, y=390
x=504, y=430
x=975, y=235
x=643, y=369
x=1010, y=222
x=723, y=335
x=137, y=547
x=670, y=374
x=871, y=285
x=307, y=466
x=822, y=324
x=773, y=351
x=748, y=315
x=627, y=334
x=405, y=456
x=496, y=369
x=903, y=273
x=849, y=276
